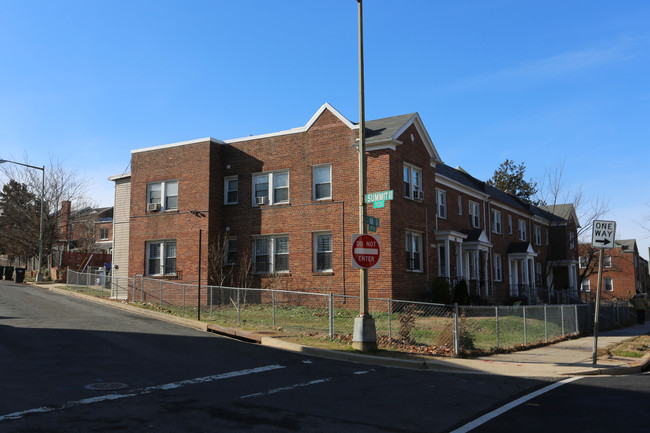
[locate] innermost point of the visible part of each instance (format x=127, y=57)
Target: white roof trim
x=120, y=176
x=181, y=143
x=314, y=118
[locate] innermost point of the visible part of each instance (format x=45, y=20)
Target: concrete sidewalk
x=572, y=357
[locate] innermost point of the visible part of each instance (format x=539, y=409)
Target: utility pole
x=365, y=334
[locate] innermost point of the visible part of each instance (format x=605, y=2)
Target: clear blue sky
x=540, y=82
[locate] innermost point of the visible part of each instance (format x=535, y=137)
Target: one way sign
x=602, y=235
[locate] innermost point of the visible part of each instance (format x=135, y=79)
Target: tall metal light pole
x=39, y=275
x=365, y=335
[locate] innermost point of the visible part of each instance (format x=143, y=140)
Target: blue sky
x=540, y=82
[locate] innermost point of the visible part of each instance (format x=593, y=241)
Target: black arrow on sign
x=603, y=241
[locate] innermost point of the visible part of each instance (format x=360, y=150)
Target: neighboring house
x=121, y=227
x=625, y=272
x=288, y=203
x=85, y=230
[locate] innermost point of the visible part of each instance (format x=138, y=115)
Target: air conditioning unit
x=262, y=200
x=153, y=207
x=418, y=195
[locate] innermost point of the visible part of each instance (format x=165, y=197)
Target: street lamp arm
x=24, y=165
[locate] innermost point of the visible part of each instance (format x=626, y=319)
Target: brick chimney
x=64, y=224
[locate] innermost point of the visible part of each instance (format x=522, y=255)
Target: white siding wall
x=121, y=215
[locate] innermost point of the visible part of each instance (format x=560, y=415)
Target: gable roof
x=565, y=211
x=627, y=245
x=387, y=131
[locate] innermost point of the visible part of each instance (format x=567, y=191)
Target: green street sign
x=372, y=228
x=372, y=221
x=375, y=197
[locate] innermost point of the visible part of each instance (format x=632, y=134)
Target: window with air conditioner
x=162, y=196
x=271, y=188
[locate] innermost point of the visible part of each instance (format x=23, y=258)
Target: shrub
x=441, y=291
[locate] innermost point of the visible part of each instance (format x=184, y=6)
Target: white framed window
x=498, y=268
x=322, y=252
x=582, y=261
x=412, y=182
x=609, y=284
x=522, y=230
x=271, y=188
x=537, y=231
x=607, y=261
x=161, y=257
x=164, y=194
x=321, y=177
x=474, y=214
x=586, y=285
x=413, y=251
x=271, y=254
x=441, y=198
x=496, y=221
x=231, y=252
x=460, y=205
x=231, y=190
x=509, y=224
x=103, y=234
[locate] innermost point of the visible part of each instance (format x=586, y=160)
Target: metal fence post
x=390, y=320
x=545, y=325
x=525, y=330
x=161, y=284
x=562, y=318
x=184, y=289
x=496, y=314
x=273, y=304
x=575, y=309
x=142, y=289
x=238, y=307
x=456, y=348
x=331, y=315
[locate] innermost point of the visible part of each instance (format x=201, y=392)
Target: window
x=583, y=261
x=412, y=182
x=322, y=182
x=586, y=285
x=498, y=267
x=496, y=221
x=607, y=261
x=572, y=240
x=442, y=261
x=231, y=193
x=522, y=230
x=538, y=235
x=474, y=214
x=231, y=251
x=161, y=258
x=271, y=254
x=413, y=251
x=323, y=252
x=165, y=194
x=442, y=203
x=460, y=205
x=510, y=224
x=103, y=234
x=280, y=184
x=538, y=274
x=609, y=284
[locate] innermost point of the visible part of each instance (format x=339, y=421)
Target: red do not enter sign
x=365, y=251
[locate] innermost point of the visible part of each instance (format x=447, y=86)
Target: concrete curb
x=642, y=365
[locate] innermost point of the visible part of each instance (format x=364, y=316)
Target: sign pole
x=364, y=337
x=598, y=287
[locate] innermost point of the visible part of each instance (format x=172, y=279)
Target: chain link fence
x=417, y=327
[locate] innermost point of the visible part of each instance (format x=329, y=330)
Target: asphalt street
x=179, y=379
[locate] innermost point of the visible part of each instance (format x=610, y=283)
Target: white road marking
x=287, y=388
x=503, y=409
x=141, y=391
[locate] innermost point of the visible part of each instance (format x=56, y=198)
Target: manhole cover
x=106, y=386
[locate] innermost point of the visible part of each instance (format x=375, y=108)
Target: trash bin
x=20, y=275
x=9, y=272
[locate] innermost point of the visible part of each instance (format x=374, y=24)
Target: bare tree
x=220, y=267
x=553, y=191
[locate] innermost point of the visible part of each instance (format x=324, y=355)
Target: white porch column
x=447, y=264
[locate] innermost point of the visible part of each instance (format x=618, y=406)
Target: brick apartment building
x=289, y=202
x=625, y=272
